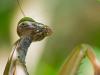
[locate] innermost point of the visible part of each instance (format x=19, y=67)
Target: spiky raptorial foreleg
x=71, y=65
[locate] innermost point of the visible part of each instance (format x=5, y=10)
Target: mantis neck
x=22, y=47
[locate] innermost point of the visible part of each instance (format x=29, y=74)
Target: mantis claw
x=71, y=65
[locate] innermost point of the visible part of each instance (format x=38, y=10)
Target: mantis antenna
x=20, y=8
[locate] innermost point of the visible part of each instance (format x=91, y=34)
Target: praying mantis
x=31, y=31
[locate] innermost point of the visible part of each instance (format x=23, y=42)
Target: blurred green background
x=73, y=22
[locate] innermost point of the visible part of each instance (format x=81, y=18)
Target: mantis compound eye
x=28, y=27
